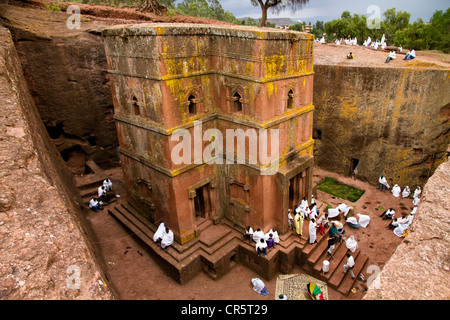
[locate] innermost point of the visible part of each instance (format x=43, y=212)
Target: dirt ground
x=137, y=276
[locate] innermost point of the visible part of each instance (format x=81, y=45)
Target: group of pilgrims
x=310, y=212
x=103, y=191
x=263, y=241
x=304, y=211
x=400, y=225
x=266, y=241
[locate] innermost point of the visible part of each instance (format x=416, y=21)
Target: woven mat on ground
x=294, y=286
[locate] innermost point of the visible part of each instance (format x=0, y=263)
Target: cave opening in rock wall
x=75, y=159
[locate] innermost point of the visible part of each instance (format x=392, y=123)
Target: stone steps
x=335, y=277
x=347, y=284
x=214, y=242
x=200, y=245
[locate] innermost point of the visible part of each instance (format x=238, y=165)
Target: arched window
x=192, y=106
x=290, y=100
x=237, y=102
x=135, y=107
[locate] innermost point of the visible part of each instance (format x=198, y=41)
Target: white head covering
x=363, y=220
x=159, y=232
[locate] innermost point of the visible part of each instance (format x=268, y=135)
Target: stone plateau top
x=207, y=29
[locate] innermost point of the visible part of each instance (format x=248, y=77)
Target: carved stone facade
x=175, y=78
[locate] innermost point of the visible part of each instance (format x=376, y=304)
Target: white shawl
x=363, y=220
x=159, y=232
x=167, y=239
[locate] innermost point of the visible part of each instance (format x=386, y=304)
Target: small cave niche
x=75, y=159
x=92, y=139
x=56, y=131
x=317, y=134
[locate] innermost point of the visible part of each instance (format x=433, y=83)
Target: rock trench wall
x=391, y=121
x=44, y=243
x=66, y=75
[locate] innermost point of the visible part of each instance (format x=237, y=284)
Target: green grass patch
x=331, y=186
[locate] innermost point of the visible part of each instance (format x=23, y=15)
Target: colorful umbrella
x=314, y=291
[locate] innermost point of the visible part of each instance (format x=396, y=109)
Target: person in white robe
x=313, y=212
x=351, y=244
x=396, y=190
x=417, y=192
x=414, y=210
x=400, y=229
x=383, y=183
x=274, y=234
x=107, y=184
x=259, y=287
x=304, y=204
x=159, y=232
x=409, y=219
x=313, y=200
x=352, y=222
x=363, y=220
x=406, y=192
x=344, y=208
x=397, y=222
x=312, y=231
x=95, y=205
x=257, y=235
x=392, y=56
x=102, y=194
x=291, y=220
x=333, y=212
x=167, y=239
x=416, y=201
x=261, y=247
x=388, y=214
x=248, y=234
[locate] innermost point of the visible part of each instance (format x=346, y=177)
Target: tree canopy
x=396, y=27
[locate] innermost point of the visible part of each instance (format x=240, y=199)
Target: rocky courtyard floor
x=136, y=275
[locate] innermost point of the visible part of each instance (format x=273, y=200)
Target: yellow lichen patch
x=248, y=69
x=271, y=87
x=274, y=65
x=349, y=109
x=159, y=30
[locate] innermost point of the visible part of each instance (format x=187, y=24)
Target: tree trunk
x=263, y=21
x=154, y=7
